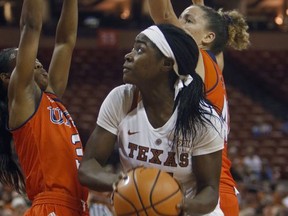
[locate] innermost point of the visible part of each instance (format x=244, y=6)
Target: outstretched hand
x=198, y=2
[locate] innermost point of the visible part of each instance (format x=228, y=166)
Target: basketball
x=147, y=191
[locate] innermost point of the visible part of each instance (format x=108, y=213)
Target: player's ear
x=209, y=38
x=168, y=64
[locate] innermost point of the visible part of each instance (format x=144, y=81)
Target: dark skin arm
x=207, y=169
x=98, y=149
x=198, y=2
x=65, y=41
x=23, y=92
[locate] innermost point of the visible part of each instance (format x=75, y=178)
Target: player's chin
x=42, y=83
x=127, y=79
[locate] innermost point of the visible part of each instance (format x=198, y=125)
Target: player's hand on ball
x=122, y=176
x=148, y=191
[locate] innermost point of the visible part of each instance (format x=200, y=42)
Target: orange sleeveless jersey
x=49, y=150
x=216, y=94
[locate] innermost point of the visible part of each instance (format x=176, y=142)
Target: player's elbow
x=212, y=205
x=203, y=203
x=66, y=41
x=31, y=18
x=29, y=23
x=212, y=201
x=82, y=175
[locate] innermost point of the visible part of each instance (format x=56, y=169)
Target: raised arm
x=65, y=41
x=161, y=11
x=22, y=92
x=198, y=2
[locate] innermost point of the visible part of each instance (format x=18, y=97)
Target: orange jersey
x=216, y=94
x=49, y=150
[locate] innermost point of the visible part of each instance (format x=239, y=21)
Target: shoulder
x=119, y=99
x=200, y=68
x=122, y=92
x=126, y=89
x=115, y=107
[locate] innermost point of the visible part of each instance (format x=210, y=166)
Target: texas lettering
x=151, y=155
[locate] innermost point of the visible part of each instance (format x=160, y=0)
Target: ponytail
x=193, y=111
x=192, y=107
x=230, y=28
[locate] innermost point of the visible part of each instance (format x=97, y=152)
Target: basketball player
x=46, y=140
x=160, y=119
x=212, y=31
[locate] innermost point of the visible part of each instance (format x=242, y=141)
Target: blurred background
x=256, y=79
x=262, y=15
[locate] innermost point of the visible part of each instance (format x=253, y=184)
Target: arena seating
x=269, y=68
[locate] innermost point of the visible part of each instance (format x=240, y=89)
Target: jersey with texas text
x=140, y=144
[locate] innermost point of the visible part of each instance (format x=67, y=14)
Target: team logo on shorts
x=52, y=214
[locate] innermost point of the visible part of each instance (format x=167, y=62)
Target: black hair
x=10, y=172
x=5, y=59
x=191, y=101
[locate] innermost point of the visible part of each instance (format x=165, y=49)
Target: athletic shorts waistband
x=228, y=189
x=57, y=198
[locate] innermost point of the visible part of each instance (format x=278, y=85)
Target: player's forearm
x=92, y=175
x=66, y=32
x=161, y=11
x=30, y=27
x=198, y=2
x=203, y=203
x=31, y=15
x=65, y=41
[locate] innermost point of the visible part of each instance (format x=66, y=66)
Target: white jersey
x=140, y=144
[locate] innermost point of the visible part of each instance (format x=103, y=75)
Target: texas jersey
x=142, y=144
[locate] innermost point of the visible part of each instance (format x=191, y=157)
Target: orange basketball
x=147, y=191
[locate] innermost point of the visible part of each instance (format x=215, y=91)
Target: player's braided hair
x=10, y=173
x=191, y=100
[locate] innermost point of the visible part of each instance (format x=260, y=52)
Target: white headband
x=158, y=38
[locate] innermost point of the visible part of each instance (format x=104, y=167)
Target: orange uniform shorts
x=57, y=204
x=229, y=204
